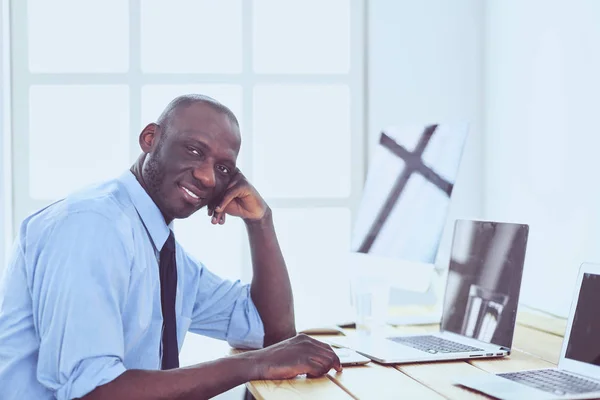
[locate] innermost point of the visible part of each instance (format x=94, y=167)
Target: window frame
x=135, y=79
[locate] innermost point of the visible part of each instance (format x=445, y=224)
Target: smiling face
x=190, y=159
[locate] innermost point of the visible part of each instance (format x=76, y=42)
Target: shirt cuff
x=90, y=374
x=246, y=330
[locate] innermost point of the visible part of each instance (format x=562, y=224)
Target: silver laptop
x=480, y=304
x=578, y=372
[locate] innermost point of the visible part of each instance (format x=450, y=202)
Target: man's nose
x=206, y=175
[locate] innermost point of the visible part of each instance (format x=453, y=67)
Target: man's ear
x=149, y=137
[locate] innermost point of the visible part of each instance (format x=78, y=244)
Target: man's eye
x=194, y=151
x=223, y=169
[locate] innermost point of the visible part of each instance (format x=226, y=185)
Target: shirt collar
x=147, y=210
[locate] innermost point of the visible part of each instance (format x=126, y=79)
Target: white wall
x=425, y=66
x=2, y=183
x=542, y=145
x=5, y=190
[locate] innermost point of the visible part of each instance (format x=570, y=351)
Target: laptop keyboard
x=433, y=344
x=553, y=381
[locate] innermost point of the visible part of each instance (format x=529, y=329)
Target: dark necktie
x=168, y=291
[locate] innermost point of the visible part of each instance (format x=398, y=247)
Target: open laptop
x=480, y=304
x=578, y=372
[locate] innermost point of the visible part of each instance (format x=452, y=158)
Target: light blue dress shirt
x=80, y=297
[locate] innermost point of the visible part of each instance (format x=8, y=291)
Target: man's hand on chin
x=240, y=199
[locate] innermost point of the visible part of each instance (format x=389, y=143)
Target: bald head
x=193, y=145
x=182, y=102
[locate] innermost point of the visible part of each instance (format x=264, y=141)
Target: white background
x=424, y=66
x=524, y=73
x=5, y=172
x=541, y=140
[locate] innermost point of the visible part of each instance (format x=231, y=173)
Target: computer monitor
x=408, y=189
x=404, y=208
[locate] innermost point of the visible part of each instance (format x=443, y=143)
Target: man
x=98, y=296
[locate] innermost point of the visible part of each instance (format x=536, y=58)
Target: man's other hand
x=296, y=356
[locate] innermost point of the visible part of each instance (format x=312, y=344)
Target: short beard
x=154, y=175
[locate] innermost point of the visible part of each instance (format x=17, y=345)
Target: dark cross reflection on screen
x=411, y=177
x=413, y=164
x=484, y=280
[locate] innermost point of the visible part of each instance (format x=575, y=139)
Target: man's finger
x=234, y=181
x=332, y=358
x=317, y=367
x=337, y=364
x=227, y=198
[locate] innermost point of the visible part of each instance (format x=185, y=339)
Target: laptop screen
x=484, y=280
x=584, y=343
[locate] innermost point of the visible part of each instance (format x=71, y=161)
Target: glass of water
x=371, y=298
x=484, y=310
